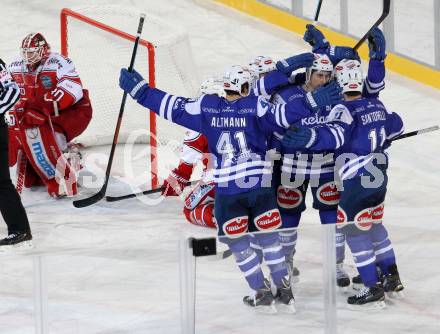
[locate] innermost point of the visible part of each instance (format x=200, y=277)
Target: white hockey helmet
x=212, y=86
x=348, y=73
x=236, y=77
x=322, y=63
x=262, y=65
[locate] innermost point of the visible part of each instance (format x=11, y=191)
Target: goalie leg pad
x=46, y=158
x=202, y=193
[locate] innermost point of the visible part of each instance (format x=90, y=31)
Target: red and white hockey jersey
x=55, y=76
x=195, y=149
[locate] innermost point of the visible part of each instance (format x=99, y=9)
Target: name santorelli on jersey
x=373, y=117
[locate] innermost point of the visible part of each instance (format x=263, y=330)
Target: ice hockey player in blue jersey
x=298, y=168
x=373, y=84
x=237, y=128
x=359, y=130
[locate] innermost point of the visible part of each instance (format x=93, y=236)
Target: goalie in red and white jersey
x=53, y=109
x=199, y=204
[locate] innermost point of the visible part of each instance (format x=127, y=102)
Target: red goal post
x=68, y=13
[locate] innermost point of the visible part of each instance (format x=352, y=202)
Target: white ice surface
x=113, y=267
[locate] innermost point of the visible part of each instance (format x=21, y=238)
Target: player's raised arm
x=375, y=80
x=176, y=109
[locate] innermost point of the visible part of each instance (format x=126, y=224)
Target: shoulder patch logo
x=46, y=81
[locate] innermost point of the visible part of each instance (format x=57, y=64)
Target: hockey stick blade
x=82, y=203
x=417, y=132
x=145, y=192
x=100, y=195
x=133, y=195
x=385, y=12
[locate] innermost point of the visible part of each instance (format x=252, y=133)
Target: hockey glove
x=377, y=44
x=315, y=38
x=337, y=53
x=36, y=113
x=299, y=137
x=328, y=95
x=133, y=83
x=288, y=65
x=177, y=180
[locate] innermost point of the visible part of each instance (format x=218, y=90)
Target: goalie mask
x=34, y=48
x=236, y=79
x=322, y=63
x=349, y=75
x=262, y=65
x=212, y=86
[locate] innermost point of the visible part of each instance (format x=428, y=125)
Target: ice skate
x=16, y=241
x=369, y=298
x=342, y=278
x=392, y=284
x=285, y=299
x=262, y=300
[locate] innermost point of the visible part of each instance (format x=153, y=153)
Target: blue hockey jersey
x=304, y=163
x=357, y=130
x=237, y=132
x=308, y=162
x=269, y=84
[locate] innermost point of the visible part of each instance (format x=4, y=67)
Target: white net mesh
x=99, y=55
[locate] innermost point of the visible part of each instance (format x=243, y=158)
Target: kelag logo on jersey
x=317, y=119
x=46, y=81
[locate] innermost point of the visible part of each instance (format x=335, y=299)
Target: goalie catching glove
x=177, y=180
x=36, y=112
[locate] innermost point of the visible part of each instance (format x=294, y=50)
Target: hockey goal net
x=99, y=40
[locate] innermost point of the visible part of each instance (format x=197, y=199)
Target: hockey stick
x=385, y=12
x=417, y=132
x=145, y=192
x=100, y=195
x=317, y=11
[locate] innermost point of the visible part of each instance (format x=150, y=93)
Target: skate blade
x=396, y=294
x=22, y=246
x=379, y=305
x=284, y=308
x=357, y=286
x=271, y=309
